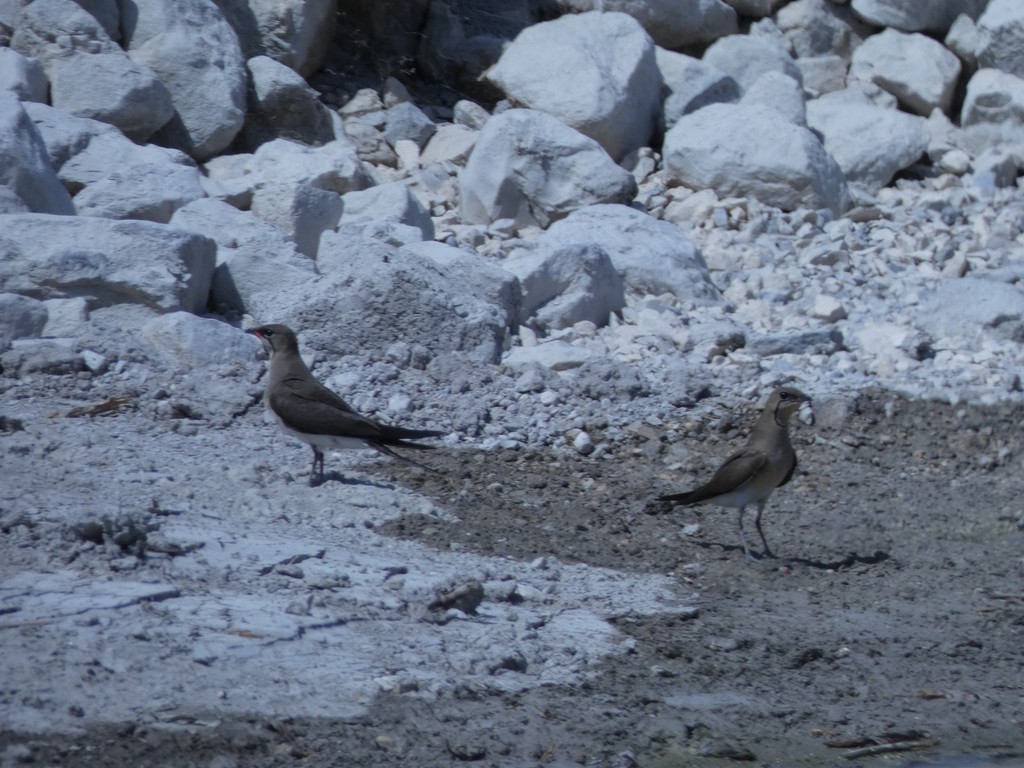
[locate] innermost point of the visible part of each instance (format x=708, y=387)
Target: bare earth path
x=893, y=614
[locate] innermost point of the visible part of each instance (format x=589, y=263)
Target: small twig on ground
x=882, y=749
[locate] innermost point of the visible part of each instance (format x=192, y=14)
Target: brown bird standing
x=749, y=475
x=309, y=411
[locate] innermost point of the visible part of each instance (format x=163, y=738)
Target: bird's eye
x=267, y=332
x=784, y=395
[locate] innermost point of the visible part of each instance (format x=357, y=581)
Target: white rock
x=335, y=166
x=198, y=342
x=564, y=284
x=386, y=202
x=22, y=76
x=195, y=53
x=746, y=58
x=652, y=256
x=257, y=263
x=752, y=150
x=469, y=114
x=227, y=178
x=450, y=144
x=692, y=84
x=820, y=28
x=675, y=24
x=21, y=317
x=26, y=174
x=407, y=122
x=476, y=276
x=65, y=316
x=301, y=210
x=822, y=74
x=407, y=152
x=589, y=71
x=780, y=92
x=993, y=97
x=969, y=306
x=928, y=15
x=529, y=167
x=148, y=191
x=112, y=262
x=556, y=355
x=828, y=308
x=582, y=444
x=94, y=361
x=920, y=72
x=1001, y=28
x=964, y=39
x=282, y=105
x=90, y=75
x=871, y=144
x=297, y=33
x=371, y=295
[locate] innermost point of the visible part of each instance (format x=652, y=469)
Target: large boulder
x=386, y=202
x=530, y=167
x=372, y=295
x=109, y=262
x=1001, y=29
x=28, y=182
x=690, y=84
x=195, y=53
x=993, y=112
x=281, y=105
x=257, y=264
x=753, y=150
x=22, y=76
x=918, y=16
x=652, y=256
x=745, y=58
x=972, y=308
x=565, y=283
x=596, y=72
x=920, y=72
x=296, y=33
x=335, y=166
x=477, y=276
x=821, y=28
x=870, y=143
x=90, y=75
x=673, y=24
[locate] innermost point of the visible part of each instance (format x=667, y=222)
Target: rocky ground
x=184, y=598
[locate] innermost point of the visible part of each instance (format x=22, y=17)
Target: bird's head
x=785, y=401
x=275, y=337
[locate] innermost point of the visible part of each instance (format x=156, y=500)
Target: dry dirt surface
x=889, y=629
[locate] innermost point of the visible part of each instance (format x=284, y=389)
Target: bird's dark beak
x=255, y=332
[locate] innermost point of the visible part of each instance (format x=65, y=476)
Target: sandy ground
x=179, y=597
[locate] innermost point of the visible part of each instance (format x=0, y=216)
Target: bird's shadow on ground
x=834, y=565
x=343, y=479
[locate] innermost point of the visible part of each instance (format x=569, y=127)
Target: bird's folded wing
x=737, y=471
x=320, y=418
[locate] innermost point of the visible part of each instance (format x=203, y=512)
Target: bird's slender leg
x=743, y=538
x=757, y=523
x=318, y=458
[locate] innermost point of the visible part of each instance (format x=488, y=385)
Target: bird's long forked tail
x=386, y=450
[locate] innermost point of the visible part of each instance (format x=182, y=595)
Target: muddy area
x=887, y=631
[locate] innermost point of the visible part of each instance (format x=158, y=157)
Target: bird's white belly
x=331, y=442
x=757, y=490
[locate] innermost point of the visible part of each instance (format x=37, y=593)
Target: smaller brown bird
x=749, y=475
x=309, y=411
